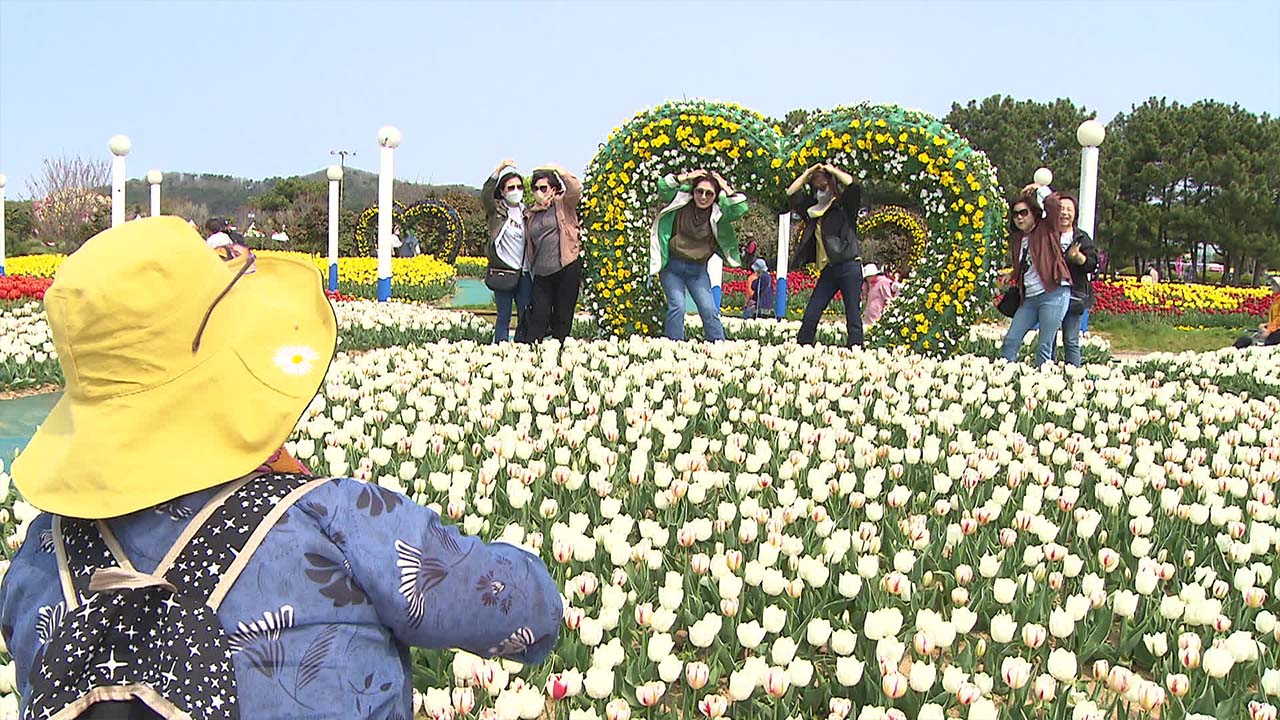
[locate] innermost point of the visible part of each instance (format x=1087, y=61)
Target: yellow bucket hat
x=182, y=371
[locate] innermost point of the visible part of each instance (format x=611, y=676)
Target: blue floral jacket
x=355, y=574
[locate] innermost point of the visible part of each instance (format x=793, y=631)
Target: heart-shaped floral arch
x=955, y=186
x=437, y=220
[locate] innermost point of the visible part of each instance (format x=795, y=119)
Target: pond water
x=18, y=421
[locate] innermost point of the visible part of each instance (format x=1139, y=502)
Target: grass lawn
x=1137, y=335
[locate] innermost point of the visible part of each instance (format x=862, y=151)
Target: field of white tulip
x=753, y=529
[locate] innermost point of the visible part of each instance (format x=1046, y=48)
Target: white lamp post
x=2, y=182
x=120, y=146
x=335, y=179
x=1090, y=134
x=154, y=178
x=784, y=239
x=388, y=138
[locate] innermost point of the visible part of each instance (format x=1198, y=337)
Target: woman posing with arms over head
x=553, y=244
x=830, y=239
x=508, y=276
x=1040, y=273
x=171, y=574
x=696, y=224
x=1082, y=260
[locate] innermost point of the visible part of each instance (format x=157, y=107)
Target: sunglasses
x=542, y=188
x=250, y=261
x=1021, y=213
x=511, y=188
x=704, y=193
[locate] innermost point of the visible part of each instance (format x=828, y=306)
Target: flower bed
x=806, y=532
x=27, y=358
x=23, y=287
x=422, y=278
x=472, y=267
x=1129, y=297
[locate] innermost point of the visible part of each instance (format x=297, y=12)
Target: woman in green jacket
x=695, y=224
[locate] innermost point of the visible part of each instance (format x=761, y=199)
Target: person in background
x=696, y=224
x=503, y=199
x=1040, y=272
x=1082, y=259
x=553, y=244
x=879, y=292
x=761, y=291
x=830, y=211
x=749, y=251
x=216, y=232
x=262, y=591
x=1269, y=331
x=409, y=245
x=1152, y=276
x=223, y=238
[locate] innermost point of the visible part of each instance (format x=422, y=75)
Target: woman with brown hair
x=1082, y=259
x=1040, y=273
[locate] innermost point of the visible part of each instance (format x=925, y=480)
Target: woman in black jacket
x=1082, y=261
x=830, y=239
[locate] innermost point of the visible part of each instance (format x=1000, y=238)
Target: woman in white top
x=503, y=199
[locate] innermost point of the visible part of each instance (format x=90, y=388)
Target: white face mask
x=822, y=196
x=513, y=197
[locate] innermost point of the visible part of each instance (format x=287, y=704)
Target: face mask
x=822, y=196
x=513, y=197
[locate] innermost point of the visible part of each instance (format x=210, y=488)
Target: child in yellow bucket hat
x=172, y=574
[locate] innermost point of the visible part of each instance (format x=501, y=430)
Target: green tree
x=1200, y=179
x=1020, y=136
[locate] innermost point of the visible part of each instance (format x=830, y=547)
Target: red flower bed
x=19, y=287
x=735, y=280
x=336, y=296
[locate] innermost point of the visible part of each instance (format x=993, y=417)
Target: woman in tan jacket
x=553, y=248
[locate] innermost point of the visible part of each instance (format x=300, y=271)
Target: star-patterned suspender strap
x=83, y=547
x=216, y=553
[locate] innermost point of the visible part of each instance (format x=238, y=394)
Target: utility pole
x=342, y=164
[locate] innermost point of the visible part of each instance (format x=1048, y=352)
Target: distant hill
x=226, y=195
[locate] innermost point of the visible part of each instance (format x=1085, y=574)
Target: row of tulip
x=27, y=357
x=1127, y=296
x=422, y=278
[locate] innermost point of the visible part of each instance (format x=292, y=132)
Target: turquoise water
x=470, y=293
x=18, y=420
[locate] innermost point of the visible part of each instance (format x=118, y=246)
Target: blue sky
x=265, y=88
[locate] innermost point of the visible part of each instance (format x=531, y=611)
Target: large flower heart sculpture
x=955, y=185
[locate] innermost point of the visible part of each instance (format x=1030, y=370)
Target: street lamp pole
x=335, y=180
x=389, y=139
x=154, y=178
x=119, y=146
x=1090, y=135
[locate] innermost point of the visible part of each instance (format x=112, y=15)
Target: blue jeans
x=677, y=277
x=1071, y=338
x=845, y=277
x=1047, y=309
x=521, y=295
